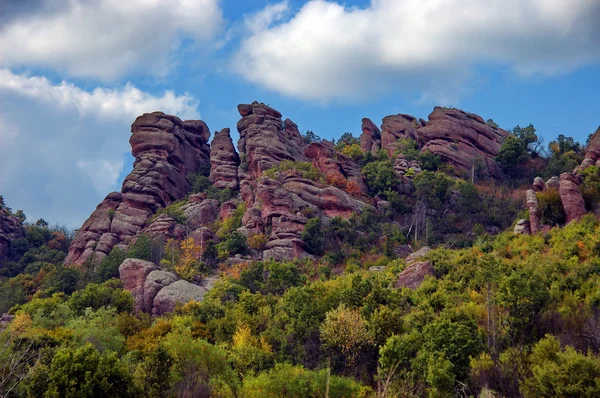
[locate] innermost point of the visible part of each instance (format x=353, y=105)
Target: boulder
x=538, y=184
x=413, y=276
x=224, y=161
x=133, y=273
x=181, y=292
x=395, y=128
x=166, y=150
x=5, y=319
x=155, y=281
x=571, y=197
x=522, y=227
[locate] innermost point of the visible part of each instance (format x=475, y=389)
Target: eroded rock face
x=522, y=227
x=370, y=139
x=133, y=273
x=339, y=169
x=224, y=161
x=200, y=213
x=459, y=138
x=265, y=140
x=166, y=150
x=395, y=128
x=462, y=139
x=10, y=229
x=156, y=291
x=571, y=197
x=179, y=291
x=413, y=276
x=592, y=152
x=538, y=184
x=535, y=216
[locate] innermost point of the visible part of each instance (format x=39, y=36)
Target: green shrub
x=380, y=177
x=551, y=207
x=306, y=169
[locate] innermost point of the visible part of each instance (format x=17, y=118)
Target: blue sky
x=74, y=75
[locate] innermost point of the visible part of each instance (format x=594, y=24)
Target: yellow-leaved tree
x=188, y=260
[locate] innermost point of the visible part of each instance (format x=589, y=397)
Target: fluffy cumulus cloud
x=327, y=51
x=103, y=39
x=64, y=148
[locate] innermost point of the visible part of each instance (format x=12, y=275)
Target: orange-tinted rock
x=133, y=273
x=224, y=161
x=166, y=150
x=571, y=197
x=337, y=168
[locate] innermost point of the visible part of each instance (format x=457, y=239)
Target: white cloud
x=426, y=47
x=63, y=148
x=106, y=38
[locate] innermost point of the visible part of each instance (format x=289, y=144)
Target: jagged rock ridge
x=166, y=149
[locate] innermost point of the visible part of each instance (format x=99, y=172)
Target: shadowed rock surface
x=10, y=229
x=224, y=161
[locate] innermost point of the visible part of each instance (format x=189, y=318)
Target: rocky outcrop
x=339, y=170
x=165, y=226
x=538, y=184
x=370, y=139
x=413, y=276
x=265, y=140
x=592, y=152
x=157, y=291
x=535, y=216
x=178, y=292
x=459, y=138
x=522, y=227
x=462, y=139
x=224, y=161
x=200, y=211
x=10, y=229
x=417, y=269
x=166, y=150
x=571, y=197
x=395, y=128
x=133, y=273
x=553, y=183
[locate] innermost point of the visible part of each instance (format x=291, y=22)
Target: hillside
x=292, y=266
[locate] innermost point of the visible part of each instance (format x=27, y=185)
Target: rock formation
x=156, y=291
x=535, y=216
x=370, y=140
x=10, y=229
x=224, y=161
x=265, y=140
x=395, y=128
x=592, y=153
x=414, y=274
x=166, y=150
x=538, y=184
x=459, y=138
x=522, y=227
x=571, y=197
x=462, y=139
x=337, y=168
